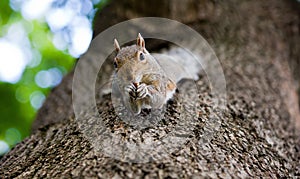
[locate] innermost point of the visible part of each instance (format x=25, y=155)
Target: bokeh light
x=12, y=63
x=4, y=147
x=34, y=9
x=48, y=78
x=39, y=43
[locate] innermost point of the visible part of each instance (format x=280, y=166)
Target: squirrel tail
x=186, y=60
x=179, y=64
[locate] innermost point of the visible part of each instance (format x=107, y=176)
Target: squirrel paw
x=142, y=91
x=131, y=90
x=137, y=91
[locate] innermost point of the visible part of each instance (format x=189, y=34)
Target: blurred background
x=40, y=41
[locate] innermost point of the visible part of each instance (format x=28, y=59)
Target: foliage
x=20, y=100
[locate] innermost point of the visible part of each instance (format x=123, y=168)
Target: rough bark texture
x=257, y=43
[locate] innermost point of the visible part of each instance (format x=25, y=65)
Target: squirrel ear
x=117, y=46
x=140, y=41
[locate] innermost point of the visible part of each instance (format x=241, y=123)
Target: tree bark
x=257, y=43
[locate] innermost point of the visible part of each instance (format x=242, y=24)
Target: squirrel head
x=131, y=61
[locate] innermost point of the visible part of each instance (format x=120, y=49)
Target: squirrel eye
x=142, y=56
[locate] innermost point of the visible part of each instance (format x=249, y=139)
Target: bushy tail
x=179, y=64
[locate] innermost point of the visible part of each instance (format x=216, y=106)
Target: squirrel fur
x=147, y=80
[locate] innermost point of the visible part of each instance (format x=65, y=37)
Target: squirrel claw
x=142, y=91
x=137, y=91
x=130, y=88
x=141, y=87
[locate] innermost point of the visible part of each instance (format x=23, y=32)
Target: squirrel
x=148, y=81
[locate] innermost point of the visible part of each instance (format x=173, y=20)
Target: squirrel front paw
x=142, y=91
x=137, y=91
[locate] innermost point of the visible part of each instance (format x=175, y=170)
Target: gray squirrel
x=147, y=80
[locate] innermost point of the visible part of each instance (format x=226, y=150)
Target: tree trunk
x=257, y=43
